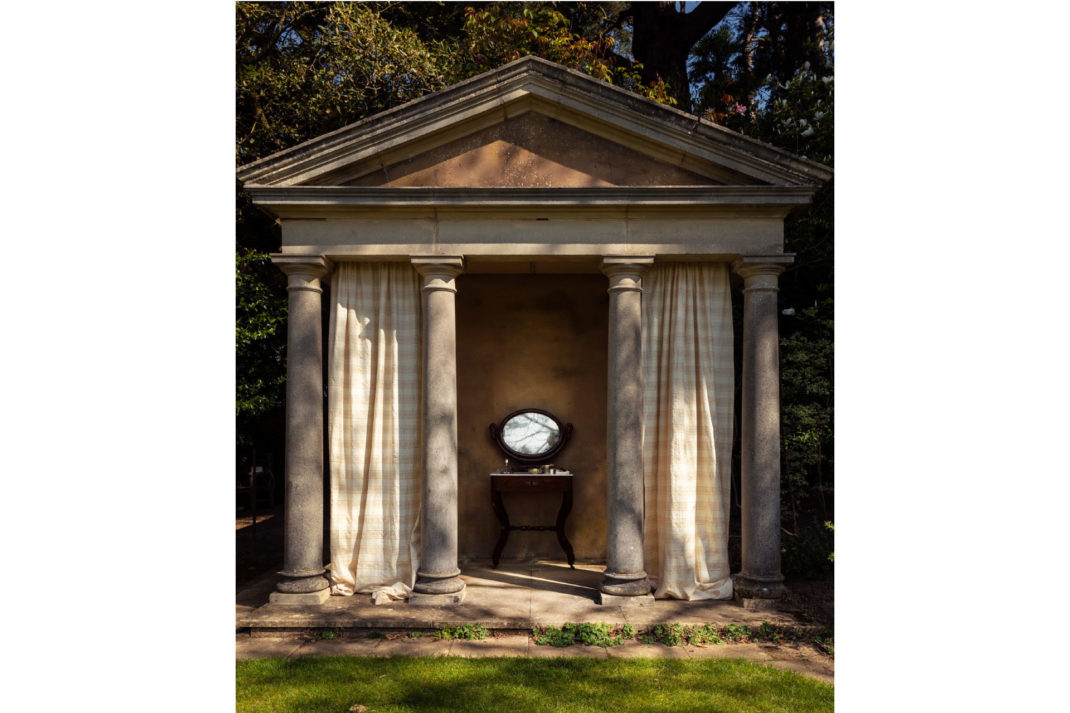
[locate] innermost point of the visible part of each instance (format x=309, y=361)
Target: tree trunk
x=750, y=27
x=662, y=39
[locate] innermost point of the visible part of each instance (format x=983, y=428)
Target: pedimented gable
x=530, y=151
x=532, y=124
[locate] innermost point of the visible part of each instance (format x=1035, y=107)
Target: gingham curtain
x=688, y=384
x=374, y=429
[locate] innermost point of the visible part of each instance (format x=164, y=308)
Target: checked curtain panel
x=688, y=397
x=373, y=397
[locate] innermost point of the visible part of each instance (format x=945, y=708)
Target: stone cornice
x=534, y=84
x=291, y=198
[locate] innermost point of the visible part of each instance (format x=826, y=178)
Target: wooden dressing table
x=530, y=437
x=532, y=483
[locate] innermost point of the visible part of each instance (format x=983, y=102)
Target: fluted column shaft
x=625, y=574
x=760, y=487
x=438, y=572
x=303, y=569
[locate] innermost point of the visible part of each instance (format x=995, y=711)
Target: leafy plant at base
x=552, y=636
x=468, y=632
x=736, y=632
x=598, y=634
x=591, y=634
x=669, y=634
x=767, y=632
x=705, y=634
x=376, y=635
x=825, y=643
x=415, y=634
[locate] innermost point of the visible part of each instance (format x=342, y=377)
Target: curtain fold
x=374, y=429
x=688, y=396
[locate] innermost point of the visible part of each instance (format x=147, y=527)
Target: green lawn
x=518, y=685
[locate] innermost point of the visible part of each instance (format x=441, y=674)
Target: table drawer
x=530, y=482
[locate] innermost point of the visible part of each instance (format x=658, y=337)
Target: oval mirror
x=530, y=435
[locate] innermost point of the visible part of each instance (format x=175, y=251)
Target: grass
x=518, y=685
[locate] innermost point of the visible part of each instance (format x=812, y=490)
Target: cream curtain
x=374, y=429
x=688, y=383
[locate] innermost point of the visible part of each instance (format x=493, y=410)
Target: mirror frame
x=564, y=429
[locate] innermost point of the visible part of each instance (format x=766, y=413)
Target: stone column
x=625, y=579
x=761, y=424
x=302, y=574
x=437, y=580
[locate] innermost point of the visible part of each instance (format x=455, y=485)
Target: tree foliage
x=307, y=68
x=501, y=33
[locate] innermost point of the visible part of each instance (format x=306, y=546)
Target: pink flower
x=740, y=109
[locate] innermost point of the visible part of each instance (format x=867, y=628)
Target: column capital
x=304, y=271
x=438, y=271
x=759, y=265
x=315, y=266
x=428, y=265
x=625, y=271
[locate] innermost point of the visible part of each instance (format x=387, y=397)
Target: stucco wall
x=535, y=341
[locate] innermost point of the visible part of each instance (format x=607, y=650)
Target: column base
x=761, y=586
x=625, y=584
x=438, y=582
x=302, y=581
x=617, y=600
x=298, y=600
x=438, y=600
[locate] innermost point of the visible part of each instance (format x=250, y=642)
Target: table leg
x=562, y=514
x=503, y=518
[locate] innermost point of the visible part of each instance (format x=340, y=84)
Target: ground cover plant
x=469, y=632
x=591, y=634
x=674, y=634
x=518, y=685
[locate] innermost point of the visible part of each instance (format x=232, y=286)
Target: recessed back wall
x=532, y=341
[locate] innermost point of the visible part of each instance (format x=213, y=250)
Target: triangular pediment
x=530, y=151
x=532, y=124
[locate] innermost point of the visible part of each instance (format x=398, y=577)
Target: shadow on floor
x=580, y=582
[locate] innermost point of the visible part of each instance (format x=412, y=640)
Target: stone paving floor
x=509, y=601
x=516, y=596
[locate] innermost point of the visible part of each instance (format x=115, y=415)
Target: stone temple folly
x=514, y=294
